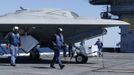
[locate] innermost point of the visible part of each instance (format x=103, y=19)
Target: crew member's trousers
x=13, y=50
x=56, y=57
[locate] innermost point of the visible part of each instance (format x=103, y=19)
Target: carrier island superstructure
x=124, y=9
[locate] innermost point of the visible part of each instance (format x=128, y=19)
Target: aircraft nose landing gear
x=81, y=58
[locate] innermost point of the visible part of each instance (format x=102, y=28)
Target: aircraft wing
x=78, y=21
x=53, y=16
x=42, y=23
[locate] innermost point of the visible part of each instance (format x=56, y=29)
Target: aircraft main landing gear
x=34, y=54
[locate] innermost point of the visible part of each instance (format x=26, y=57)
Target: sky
x=81, y=7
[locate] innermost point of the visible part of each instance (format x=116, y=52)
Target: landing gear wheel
x=80, y=58
x=34, y=54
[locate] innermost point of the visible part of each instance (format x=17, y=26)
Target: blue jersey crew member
x=57, y=41
x=13, y=43
x=100, y=46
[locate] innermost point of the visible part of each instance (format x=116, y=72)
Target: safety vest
x=14, y=39
x=99, y=44
x=59, y=40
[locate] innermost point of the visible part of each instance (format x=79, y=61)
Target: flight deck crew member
x=57, y=41
x=100, y=45
x=14, y=43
